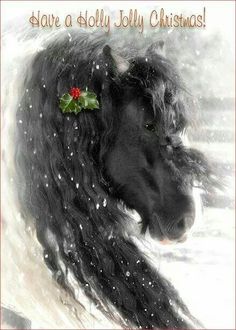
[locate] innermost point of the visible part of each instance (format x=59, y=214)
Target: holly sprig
x=77, y=100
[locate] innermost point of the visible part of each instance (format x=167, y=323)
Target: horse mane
x=62, y=185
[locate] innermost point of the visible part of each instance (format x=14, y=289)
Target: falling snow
x=70, y=38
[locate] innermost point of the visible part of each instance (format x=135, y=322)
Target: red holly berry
x=75, y=93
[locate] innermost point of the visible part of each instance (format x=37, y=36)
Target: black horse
x=76, y=171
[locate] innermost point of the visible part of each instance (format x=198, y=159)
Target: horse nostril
x=185, y=223
x=182, y=226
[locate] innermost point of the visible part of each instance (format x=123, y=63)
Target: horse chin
x=167, y=241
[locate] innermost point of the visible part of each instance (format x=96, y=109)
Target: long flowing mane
x=63, y=186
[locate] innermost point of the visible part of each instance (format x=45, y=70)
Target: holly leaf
x=65, y=102
x=69, y=105
x=89, y=100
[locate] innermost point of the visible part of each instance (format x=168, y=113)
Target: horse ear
x=117, y=62
x=157, y=48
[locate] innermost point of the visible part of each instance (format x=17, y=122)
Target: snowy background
x=203, y=268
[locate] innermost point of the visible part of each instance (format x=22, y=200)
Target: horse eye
x=150, y=127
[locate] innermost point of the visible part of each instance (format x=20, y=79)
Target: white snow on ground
x=203, y=269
